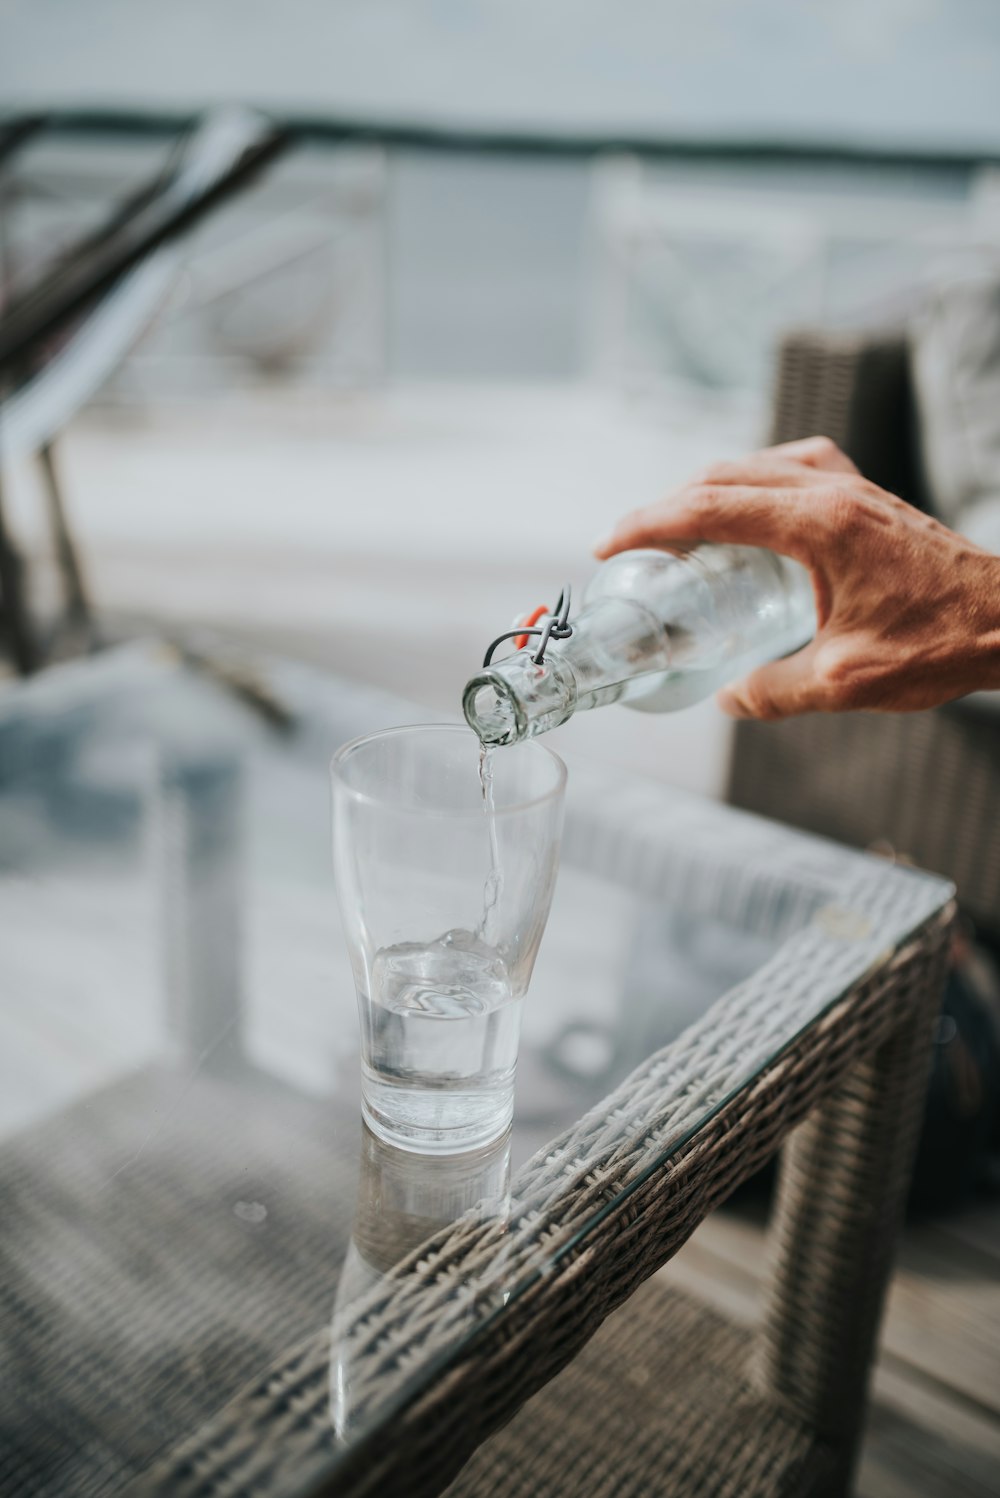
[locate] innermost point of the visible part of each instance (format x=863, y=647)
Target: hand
x=908, y=611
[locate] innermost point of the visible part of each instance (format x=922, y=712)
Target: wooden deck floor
x=934, y=1427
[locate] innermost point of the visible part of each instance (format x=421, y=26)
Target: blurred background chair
x=69, y=324
x=926, y=786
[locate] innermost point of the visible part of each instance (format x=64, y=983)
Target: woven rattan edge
x=279, y=1425
x=647, y=1227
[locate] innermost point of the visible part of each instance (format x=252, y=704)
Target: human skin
x=908, y=611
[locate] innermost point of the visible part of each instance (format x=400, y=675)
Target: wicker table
x=213, y=1282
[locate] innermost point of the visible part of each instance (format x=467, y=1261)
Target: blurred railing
x=580, y=145
x=685, y=276
x=694, y=284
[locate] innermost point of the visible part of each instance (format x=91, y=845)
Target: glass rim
x=373, y=799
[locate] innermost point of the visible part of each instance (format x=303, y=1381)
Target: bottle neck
x=517, y=699
x=613, y=642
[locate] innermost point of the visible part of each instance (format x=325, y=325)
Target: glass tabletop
x=188, y=1192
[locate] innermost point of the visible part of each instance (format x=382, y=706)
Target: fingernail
x=597, y=547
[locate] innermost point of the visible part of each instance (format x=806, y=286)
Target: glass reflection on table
x=404, y=1200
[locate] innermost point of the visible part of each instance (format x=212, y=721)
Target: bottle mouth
x=492, y=710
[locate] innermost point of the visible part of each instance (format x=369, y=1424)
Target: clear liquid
x=493, y=888
x=440, y=1054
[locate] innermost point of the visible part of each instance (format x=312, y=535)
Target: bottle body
x=658, y=630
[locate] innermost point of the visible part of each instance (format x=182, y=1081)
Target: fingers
x=761, y=468
x=794, y=465
x=815, y=452
x=784, y=520
x=781, y=689
x=749, y=502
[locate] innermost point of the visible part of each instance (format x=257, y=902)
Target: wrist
x=988, y=636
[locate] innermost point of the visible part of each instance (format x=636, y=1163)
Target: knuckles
x=705, y=498
x=835, y=670
x=848, y=675
x=695, y=502
x=847, y=514
x=760, y=704
x=823, y=453
x=856, y=515
x=719, y=473
x=824, y=449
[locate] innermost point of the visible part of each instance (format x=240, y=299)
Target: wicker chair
x=928, y=784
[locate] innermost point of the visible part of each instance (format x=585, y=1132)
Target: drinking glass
x=445, y=858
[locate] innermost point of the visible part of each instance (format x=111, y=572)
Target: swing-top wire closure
x=556, y=627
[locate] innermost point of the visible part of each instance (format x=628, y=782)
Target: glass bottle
x=657, y=631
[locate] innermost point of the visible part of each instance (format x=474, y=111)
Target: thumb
x=780, y=689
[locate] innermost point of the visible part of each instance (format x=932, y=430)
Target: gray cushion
x=956, y=368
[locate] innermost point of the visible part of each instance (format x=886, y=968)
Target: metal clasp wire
x=556, y=627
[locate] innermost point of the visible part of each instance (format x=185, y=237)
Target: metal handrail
x=501, y=141
x=102, y=259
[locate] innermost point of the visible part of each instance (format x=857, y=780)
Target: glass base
x=435, y=1121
